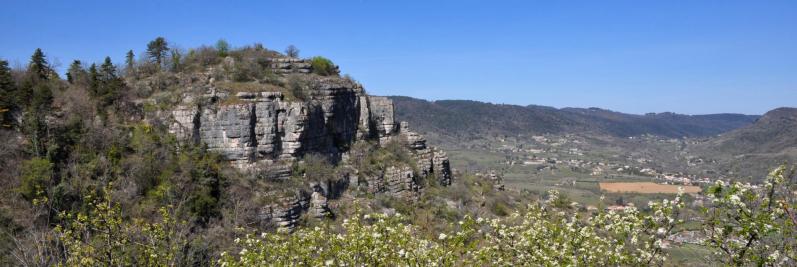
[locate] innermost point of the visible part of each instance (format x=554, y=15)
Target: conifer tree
x=107, y=70
x=176, y=56
x=36, y=93
x=34, y=84
x=223, y=47
x=156, y=49
x=130, y=60
x=93, y=79
x=109, y=84
x=39, y=66
x=75, y=72
x=8, y=94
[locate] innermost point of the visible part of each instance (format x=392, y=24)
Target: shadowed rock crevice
x=252, y=135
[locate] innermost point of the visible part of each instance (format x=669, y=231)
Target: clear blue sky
x=689, y=57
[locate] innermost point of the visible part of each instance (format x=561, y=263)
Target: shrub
x=100, y=236
x=323, y=66
x=607, y=239
x=36, y=177
x=297, y=88
x=202, y=57
x=317, y=168
x=223, y=47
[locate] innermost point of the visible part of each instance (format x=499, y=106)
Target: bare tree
x=292, y=51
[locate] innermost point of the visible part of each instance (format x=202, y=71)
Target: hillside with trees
x=246, y=156
x=466, y=118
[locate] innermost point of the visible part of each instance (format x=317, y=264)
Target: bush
x=36, y=177
x=223, y=47
x=202, y=57
x=608, y=239
x=317, y=168
x=297, y=88
x=323, y=66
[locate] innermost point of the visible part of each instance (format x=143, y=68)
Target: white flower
x=774, y=256
x=442, y=236
x=329, y=262
x=736, y=200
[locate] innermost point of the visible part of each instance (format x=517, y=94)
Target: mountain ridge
x=450, y=116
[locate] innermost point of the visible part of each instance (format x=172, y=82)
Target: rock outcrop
x=285, y=212
x=498, y=180
x=289, y=65
x=265, y=131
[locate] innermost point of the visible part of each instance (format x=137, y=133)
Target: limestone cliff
x=265, y=131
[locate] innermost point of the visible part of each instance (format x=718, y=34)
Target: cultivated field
x=647, y=188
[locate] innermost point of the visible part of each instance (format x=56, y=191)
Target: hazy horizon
x=689, y=58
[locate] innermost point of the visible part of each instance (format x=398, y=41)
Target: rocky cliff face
x=265, y=132
x=264, y=127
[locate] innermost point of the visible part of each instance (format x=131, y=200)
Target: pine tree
x=107, y=70
x=223, y=47
x=130, y=60
x=93, y=79
x=37, y=94
x=176, y=56
x=75, y=72
x=109, y=84
x=8, y=94
x=39, y=66
x=156, y=49
x=35, y=78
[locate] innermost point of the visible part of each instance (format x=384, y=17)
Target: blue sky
x=691, y=57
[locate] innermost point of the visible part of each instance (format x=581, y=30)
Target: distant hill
x=772, y=133
x=468, y=118
x=758, y=147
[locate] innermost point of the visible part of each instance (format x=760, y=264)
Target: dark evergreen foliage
x=156, y=49
x=109, y=85
x=39, y=66
x=130, y=60
x=76, y=74
x=8, y=95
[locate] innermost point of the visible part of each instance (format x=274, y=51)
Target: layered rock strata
x=265, y=132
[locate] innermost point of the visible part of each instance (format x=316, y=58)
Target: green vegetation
x=130, y=60
x=156, y=49
x=315, y=168
x=630, y=237
x=37, y=175
x=323, y=66
x=372, y=160
x=223, y=47
x=8, y=92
